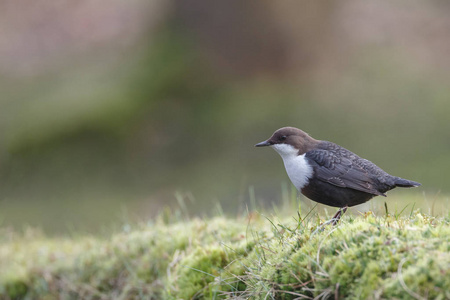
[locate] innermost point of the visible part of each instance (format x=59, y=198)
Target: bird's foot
x=338, y=215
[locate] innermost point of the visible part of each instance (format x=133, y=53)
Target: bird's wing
x=342, y=168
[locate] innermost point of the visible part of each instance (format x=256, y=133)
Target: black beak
x=263, y=144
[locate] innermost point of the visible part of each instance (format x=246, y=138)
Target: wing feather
x=343, y=168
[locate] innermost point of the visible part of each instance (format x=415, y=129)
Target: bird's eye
x=283, y=137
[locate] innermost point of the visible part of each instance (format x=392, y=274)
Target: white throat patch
x=297, y=168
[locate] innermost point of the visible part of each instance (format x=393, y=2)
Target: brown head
x=292, y=136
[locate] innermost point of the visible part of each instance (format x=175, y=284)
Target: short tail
x=405, y=183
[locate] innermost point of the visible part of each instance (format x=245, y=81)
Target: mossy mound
x=371, y=258
x=363, y=258
x=129, y=265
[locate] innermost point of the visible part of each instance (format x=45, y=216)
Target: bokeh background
x=112, y=111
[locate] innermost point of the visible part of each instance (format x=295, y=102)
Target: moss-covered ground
x=256, y=257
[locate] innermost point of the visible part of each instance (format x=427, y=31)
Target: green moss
x=363, y=258
x=362, y=261
x=204, y=266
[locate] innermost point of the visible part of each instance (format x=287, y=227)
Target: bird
x=328, y=173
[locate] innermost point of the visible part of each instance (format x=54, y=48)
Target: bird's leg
x=338, y=215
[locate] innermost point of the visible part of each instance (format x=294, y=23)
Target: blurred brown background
x=111, y=111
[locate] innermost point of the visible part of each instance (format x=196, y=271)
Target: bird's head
x=288, y=141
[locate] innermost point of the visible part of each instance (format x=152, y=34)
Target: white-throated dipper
x=328, y=173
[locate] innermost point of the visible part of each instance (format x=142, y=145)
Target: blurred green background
x=113, y=112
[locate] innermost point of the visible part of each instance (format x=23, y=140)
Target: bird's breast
x=298, y=170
